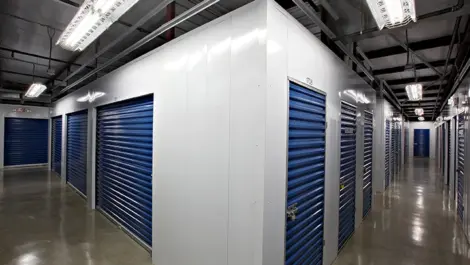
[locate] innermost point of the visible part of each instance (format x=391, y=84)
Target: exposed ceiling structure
x=431, y=51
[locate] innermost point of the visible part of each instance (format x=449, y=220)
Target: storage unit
x=449, y=150
x=305, y=176
x=26, y=141
x=460, y=166
x=387, y=153
x=407, y=146
x=347, y=193
x=77, y=131
x=56, y=150
x=367, y=177
x=124, y=165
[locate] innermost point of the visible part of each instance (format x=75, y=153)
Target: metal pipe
x=421, y=58
x=13, y=51
x=454, y=8
x=457, y=82
x=23, y=74
x=179, y=19
x=449, y=54
x=317, y=20
x=141, y=21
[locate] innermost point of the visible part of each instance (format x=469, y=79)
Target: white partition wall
x=220, y=135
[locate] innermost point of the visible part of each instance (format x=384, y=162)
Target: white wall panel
x=220, y=133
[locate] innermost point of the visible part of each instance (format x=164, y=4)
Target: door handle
x=292, y=212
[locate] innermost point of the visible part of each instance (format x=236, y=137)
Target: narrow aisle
x=42, y=221
x=412, y=223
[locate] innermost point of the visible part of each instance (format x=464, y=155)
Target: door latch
x=292, y=212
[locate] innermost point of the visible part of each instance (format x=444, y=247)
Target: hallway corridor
x=44, y=222
x=412, y=223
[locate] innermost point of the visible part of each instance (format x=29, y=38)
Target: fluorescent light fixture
x=35, y=90
x=92, y=19
x=414, y=92
x=450, y=101
x=421, y=118
x=419, y=111
x=90, y=97
x=392, y=13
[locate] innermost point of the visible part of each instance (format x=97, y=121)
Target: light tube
x=419, y=111
x=392, y=13
x=35, y=90
x=414, y=92
x=92, y=19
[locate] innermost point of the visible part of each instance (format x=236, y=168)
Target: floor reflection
x=418, y=224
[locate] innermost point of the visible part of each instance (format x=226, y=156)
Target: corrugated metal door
x=124, y=165
x=367, y=178
x=387, y=153
x=461, y=167
x=77, y=128
x=449, y=131
x=56, y=158
x=26, y=141
x=443, y=151
x=347, y=191
x=306, y=177
x=393, y=150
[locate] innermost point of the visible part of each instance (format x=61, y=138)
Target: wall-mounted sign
x=21, y=110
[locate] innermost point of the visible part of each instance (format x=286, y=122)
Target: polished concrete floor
x=44, y=222
x=412, y=223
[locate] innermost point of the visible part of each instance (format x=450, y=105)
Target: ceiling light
x=450, y=101
x=419, y=111
x=35, y=90
x=414, y=92
x=392, y=13
x=421, y=118
x=92, y=19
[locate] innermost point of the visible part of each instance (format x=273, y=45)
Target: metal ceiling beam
x=13, y=51
x=405, y=81
x=458, y=73
x=23, y=74
x=313, y=16
x=417, y=55
x=449, y=54
x=416, y=46
x=400, y=69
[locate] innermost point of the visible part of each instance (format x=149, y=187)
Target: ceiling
x=417, y=52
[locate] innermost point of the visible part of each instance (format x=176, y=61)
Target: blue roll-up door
x=387, y=153
x=56, y=158
x=393, y=150
x=26, y=141
x=448, y=151
x=306, y=177
x=367, y=178
x=347, y=181
x=461, y=166
x=124, y=165
x=77, y=128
